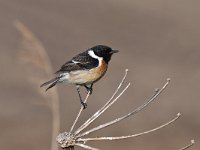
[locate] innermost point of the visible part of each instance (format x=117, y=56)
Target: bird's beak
x=114, y=51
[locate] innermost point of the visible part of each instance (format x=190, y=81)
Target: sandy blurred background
x=156, y=38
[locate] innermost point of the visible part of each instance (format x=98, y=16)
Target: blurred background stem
x=35, y=56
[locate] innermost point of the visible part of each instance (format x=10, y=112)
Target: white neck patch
x=93, y=55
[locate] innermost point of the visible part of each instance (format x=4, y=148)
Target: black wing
x=81, y=61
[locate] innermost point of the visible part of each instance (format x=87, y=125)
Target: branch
x=80, y=111
x=104, y=108
x=71, y=139
x=152, y=98
x=130, y=136
x=192, y=142
x=86, y=146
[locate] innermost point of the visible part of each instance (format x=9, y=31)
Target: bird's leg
x=89, y=88
x=79, y=94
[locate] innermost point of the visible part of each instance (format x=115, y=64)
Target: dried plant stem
x=103, y=126
x=55, y=121
x=105, y=107
x=130, y=136
x=76, y=138
x=37, y=56
x=188, y=146
x=152, y=98
x=86, y=146
x=80, y=111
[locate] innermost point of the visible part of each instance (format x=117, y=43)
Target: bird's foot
x=89, y=89
x=84, y=105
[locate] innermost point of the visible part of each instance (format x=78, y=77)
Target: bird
x=84, y=69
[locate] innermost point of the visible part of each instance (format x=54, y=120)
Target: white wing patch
x=93, y=55
x=76, y=62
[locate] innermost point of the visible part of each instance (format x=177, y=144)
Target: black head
x=104, y=51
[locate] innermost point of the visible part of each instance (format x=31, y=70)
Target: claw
x=84, y=105
x=89, y=88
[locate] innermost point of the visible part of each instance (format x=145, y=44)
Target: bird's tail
x=51, y=83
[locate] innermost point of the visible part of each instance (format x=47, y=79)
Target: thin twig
x=102, y=109
x=86, y=146
x=98, y=128
x=130, y=136
x=188, y=146
x=152, y=98
x=80, y=111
